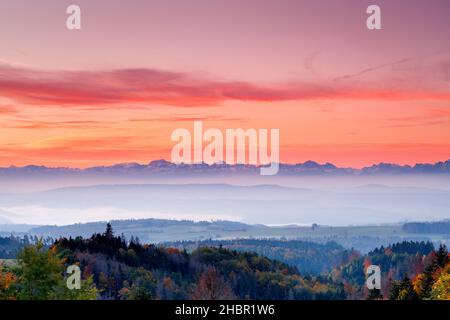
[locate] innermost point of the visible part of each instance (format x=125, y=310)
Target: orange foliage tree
x=212, y=286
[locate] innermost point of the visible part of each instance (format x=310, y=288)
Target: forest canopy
x=113, y=268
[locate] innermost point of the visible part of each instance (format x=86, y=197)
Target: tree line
x=116, y=268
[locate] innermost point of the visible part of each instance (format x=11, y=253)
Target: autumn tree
x=426, y=281
x=8, y=285
x=441, y=288
x=212, y=286
x=441, y=256
x=402, y=290
x=40, y=272
x=166, y=289
x=142, y=287
x=88, y=291
x=41, y=276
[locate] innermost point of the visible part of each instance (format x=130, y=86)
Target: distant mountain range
x=166, y=168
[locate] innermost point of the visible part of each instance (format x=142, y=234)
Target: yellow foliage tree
x=441, y=288
x=7, y=285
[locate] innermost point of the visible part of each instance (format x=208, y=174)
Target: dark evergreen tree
x=402, y=290
x=441, y=256
x=109, y=231
x=375, y=294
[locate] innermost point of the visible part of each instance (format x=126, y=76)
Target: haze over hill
x=363, y=238
x=266, y=204
x=305, y=175
x=301, y=194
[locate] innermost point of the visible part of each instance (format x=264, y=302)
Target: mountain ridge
x=164, y=167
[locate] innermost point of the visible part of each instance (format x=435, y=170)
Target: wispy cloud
x=8, y=109
x=151, y=86
x=418, y=60
x=372, y=69
x=431, y=117
x=30, y=124
x=186, y=118
x=83, y=152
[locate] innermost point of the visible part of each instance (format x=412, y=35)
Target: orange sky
x=114, y=91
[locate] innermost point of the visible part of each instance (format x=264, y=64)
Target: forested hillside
x=309, y=257
x=10, y=246
x=116, y=268
x=440, y=227
x=399, y=263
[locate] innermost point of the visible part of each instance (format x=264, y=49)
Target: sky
x=114, y=91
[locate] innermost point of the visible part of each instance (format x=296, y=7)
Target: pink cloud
x=7, y=109
x=431, y=117
x=150, y=86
